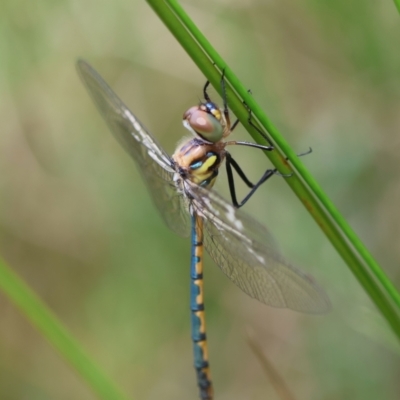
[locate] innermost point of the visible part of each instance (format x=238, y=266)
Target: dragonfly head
x=205, y=120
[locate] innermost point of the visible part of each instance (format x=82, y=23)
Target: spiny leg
x=199, y=338
x=226, y=109
x=250, y=121
x=237, y=121
x=224, y=99
x=205, y=94
x=225, y=102
x=231, y=163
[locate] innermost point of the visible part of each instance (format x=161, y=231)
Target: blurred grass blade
x=335, y=227
x=51, y=328
x=397, y=3
x=277, y=382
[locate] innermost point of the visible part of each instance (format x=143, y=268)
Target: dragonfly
x=180, y=187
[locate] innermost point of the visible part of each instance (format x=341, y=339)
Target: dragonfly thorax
x=198, y=161
x=206, y=121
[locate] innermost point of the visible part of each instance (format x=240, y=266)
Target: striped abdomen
x=199, y=338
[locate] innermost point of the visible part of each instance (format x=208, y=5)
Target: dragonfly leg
x=231, y=163
x=267, y=174
x=237, y=121
x=225, y=109
x=205, y=94
x=225, y=102
x=250, y=121
x=306, y=153
x=234, y=125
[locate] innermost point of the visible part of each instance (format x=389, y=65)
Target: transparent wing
x=247, y=254
x=154, y=164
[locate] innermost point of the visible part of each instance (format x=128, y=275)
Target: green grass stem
x=39, y=314
x=397, y=4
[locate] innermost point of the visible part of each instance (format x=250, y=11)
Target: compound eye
x=204, y=124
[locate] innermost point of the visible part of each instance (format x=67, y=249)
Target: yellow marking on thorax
x=206, y=165
x=205, y=171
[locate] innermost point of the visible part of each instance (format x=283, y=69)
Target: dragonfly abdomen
x=199, y=337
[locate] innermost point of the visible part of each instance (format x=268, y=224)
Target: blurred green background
x=78, y=225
